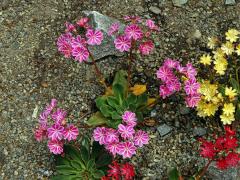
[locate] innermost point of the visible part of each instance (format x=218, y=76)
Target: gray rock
x=228, y=174
x=179, y=3
x=184, y=110
x=164, y=129
x=230, y=2
x=199, y=131
x=155, y=10
x=102, y=22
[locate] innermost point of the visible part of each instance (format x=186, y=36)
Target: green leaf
x=62, y=160
x=84, y=154
x=63, y=177
x=191, y=178
x=86, y=142
x=72, y=152
x=115, y=115
x=106, y=110
x=96, y=119
x=113, y=101
x=91, y=164
x=142, y=100
x=97, y=149
x=118, y=91
x=139, y=116
x=66, y=170
x=235, y=84
x=174, y=174
x=101, y=101
x=120, y=81
x=98, y=174
x=104, y=159
x=77, y=165
x=132, y=99
x=114, y=123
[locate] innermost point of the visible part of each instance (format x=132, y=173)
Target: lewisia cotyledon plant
x=124, y=140
x=171, y=83
x=56, y=132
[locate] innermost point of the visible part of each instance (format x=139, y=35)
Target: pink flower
x=151, y=25
x=146, y=47
x=164, y=73
x=190, y=71
x=59, y=115
x=79, y=42
x=40, y=133
x=113, y=28
x=80, y=54
x=94, y=37
x=111, y=135
x=70, y=132
x=164, y=91
x=126, y=131
x=129, y=118
x=173, y=84
x=170, y=63
x=112, y=148
x=181, y=69
x=122, y=43
x=55, y=132
x=192, y=100
x=64, y=44
x=99, y=134
x=83, y=22
x=43, y=118
x=133, y=31
x=191, y=86
x=141, y=138
x=126, y=149
x=70, y=27
x=56, y=147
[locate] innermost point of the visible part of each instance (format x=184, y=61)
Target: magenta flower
x=112, y=148
x=59, y=115
x=94, y=37
x=80, y=54
x=43, y=118
x=133, y=31
x=79, y=42
x=129, y=118
x=170, y=63
x=173, y=84
x=181, y=69
x=40, y=133
x=70, y=27
x=164, y=73
x=126, y=149
x=190, y=71
x=141, y=138
x=164, y=91
x=126, y=131
x=113, y=28
x=55, y=132
x=122, y=43
x=191, y=86
x=192, y=100
x=146, y=47
x=70, y=132
x=151, y=25
x=83, y=22
x=64, y=44
x=99, y=134
x=111, y=135
x=56, y=147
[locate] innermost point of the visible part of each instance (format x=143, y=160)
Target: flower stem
x=98, y=72
x=199, y=176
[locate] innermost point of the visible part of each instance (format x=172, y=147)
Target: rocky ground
x=32, y=72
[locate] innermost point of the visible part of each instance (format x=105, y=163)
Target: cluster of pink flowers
x=222, y=149
x=120, y=171
x=172, y=84
x=134, y=34
x=58, y=132
x=124, y=140
x=77, y=46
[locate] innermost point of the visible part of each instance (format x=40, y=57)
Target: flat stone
x=199, y=131
x=230, y=2
x=228, y=174
x=179, y=3
x=164, y=129
x=155, y=10
x=102, y=22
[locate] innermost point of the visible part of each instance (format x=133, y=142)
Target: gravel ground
x=32, y=72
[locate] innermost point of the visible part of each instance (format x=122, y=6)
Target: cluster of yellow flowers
x=212, y=99
x=221, y=53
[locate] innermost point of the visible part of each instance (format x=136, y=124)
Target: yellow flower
x=227, y=119
x=232, y=35
x=230, y=92
x=138, y=89
x=212, y=42
x=206, y=59
x=238, y=49
x=227, y=48
x=201, y=113
x=208, y=90
x=218, y=53
x=210, y=109
x=228, y=109
x=220, y=65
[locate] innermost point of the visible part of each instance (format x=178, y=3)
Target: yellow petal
x=138, y=89
x=151, y=101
